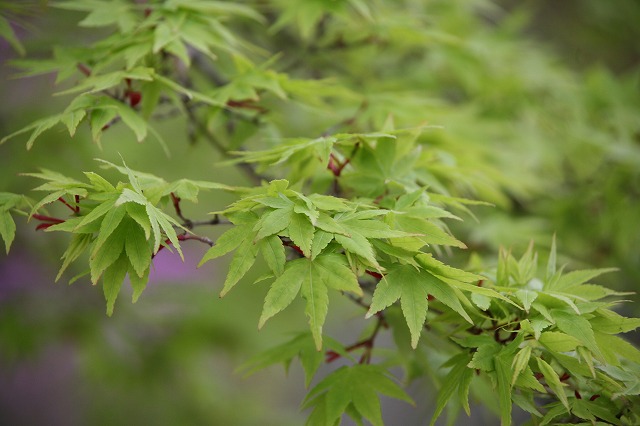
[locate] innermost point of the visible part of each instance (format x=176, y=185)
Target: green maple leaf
x=301, y=346
x=354, y=388
x=311, y=278
x=7, y=225
x=458, y=378
x=412, y=286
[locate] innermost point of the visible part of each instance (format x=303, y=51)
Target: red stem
x=185, y=237
x=63, y=201
x=335, y=165
x=84, y=69
x=176, y=205
x=293, y=246
x=50, y=219
x=376, y=275
x=367, y=344
x=44, y=226
x=246, y=104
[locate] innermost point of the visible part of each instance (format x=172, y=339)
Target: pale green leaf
x=527, y=380
x=371, y=229
x=407, y=200
x=484, y=291
x=138, y=213
x=113, y=279
x=72, y=119
x=280, y=202
x=242, y=261
x=450, y=383
x=483, y=358
x=301, y=232
x=70, y=225
x=367, y=404
x=556, y=341
x=273, y=252
x=429, y=233
x=77, y=246
x=553, y=381
x=481, y=301
x=7, y=228
x=273, y=222
x=443, y=292
x=407, y=284
x=284, y=289
x=328, y=224
x=520, y=362
x=110, y=250
x=99, y=183
x=320, y=241
x=464, y=386
x=138, y=283
x=413, y=302
x=129, y=196
x=110, y=222
x=357, y=244
x=395, y=251
x=327, y=202
x=587, y=357
x=46, y=200
x=526, y=297
x=526, y=402
x=333, y=272
x=168, y=225
x=314, y=291
x=578, y=327
x=609, y=322
x=428, y=262
x=575, y=278
x=563, y=298
x=6, y=32
x=99, y=118
x=619, y=346
x=137, y=248
x=301, y=346
x=503, y=372
x=551, y=263
x=353, y=386
x=385, y=295
x=38, y=127
x=99, y=211
x=228, y=241
x=131, y=118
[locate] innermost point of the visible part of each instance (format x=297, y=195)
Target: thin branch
x=176, y=205
x=190, y=224
x=185, y=237
x=73, y=209
x=367, y=344
x=205, y=240
x=215, y=221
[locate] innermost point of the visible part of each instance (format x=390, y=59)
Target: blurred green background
x=542, y=96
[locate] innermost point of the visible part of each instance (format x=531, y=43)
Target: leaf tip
x=262, y=321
